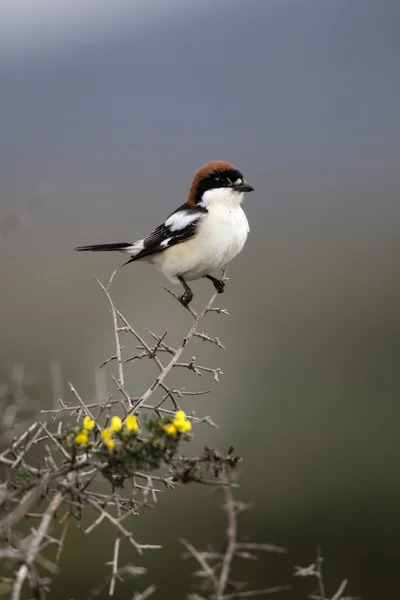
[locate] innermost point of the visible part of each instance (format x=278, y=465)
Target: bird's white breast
x=220, y=237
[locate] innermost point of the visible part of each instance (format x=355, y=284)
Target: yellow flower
x=81, y=438
x=88, y=423
x=180, y=422
x=131, y=423
x=110, y=445
x=182, y=426
x=170, y=429
x=106, y=435
x=180, y=416
x=116, y=424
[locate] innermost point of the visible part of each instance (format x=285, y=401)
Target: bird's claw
x=185, y=299
x=219, y=285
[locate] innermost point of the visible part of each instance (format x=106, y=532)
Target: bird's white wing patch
x=135, y=248
x=181, y=219
x=180, y=226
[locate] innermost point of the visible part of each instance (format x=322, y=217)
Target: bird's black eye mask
x=219, y=179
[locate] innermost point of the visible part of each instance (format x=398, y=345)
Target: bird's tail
x=121, y=247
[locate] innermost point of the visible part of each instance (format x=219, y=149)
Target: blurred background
x=107, y=109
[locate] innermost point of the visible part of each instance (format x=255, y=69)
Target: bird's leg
x=218, y=283
x=187, y=295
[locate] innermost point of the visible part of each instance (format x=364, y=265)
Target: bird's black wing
x=181, y=225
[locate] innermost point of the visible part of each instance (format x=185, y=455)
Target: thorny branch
x=231, y=511
x=315, y=571
x=33, y=549
x=52, y=478
x=61, y=483
x=216, y=566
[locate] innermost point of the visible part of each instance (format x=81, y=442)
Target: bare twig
x=315, y=570
x=145, y=594
x=34, y=546
x=231, y=536
x=209, y=572
x=118, y=349
x=114, y=563
x=255, y=593
x=175, y=358
x=216, y=567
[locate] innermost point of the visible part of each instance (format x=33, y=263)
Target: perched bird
x=203, y=234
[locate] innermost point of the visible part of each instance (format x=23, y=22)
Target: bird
x=202, y=235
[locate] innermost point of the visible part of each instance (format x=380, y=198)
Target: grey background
x=105, y=116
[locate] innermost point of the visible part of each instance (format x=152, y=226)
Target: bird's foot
x=186, y=298
x=219, y=286
x=217, y=283
x=187, y=295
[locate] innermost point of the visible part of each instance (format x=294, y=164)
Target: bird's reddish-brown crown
x=212, y=167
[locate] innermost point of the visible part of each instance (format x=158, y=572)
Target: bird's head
x=218, y=182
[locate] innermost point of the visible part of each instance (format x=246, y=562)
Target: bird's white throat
x=223, y=196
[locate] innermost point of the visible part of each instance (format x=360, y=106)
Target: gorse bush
x=120, y=449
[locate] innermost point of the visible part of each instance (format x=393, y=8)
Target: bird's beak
x=243, y=187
